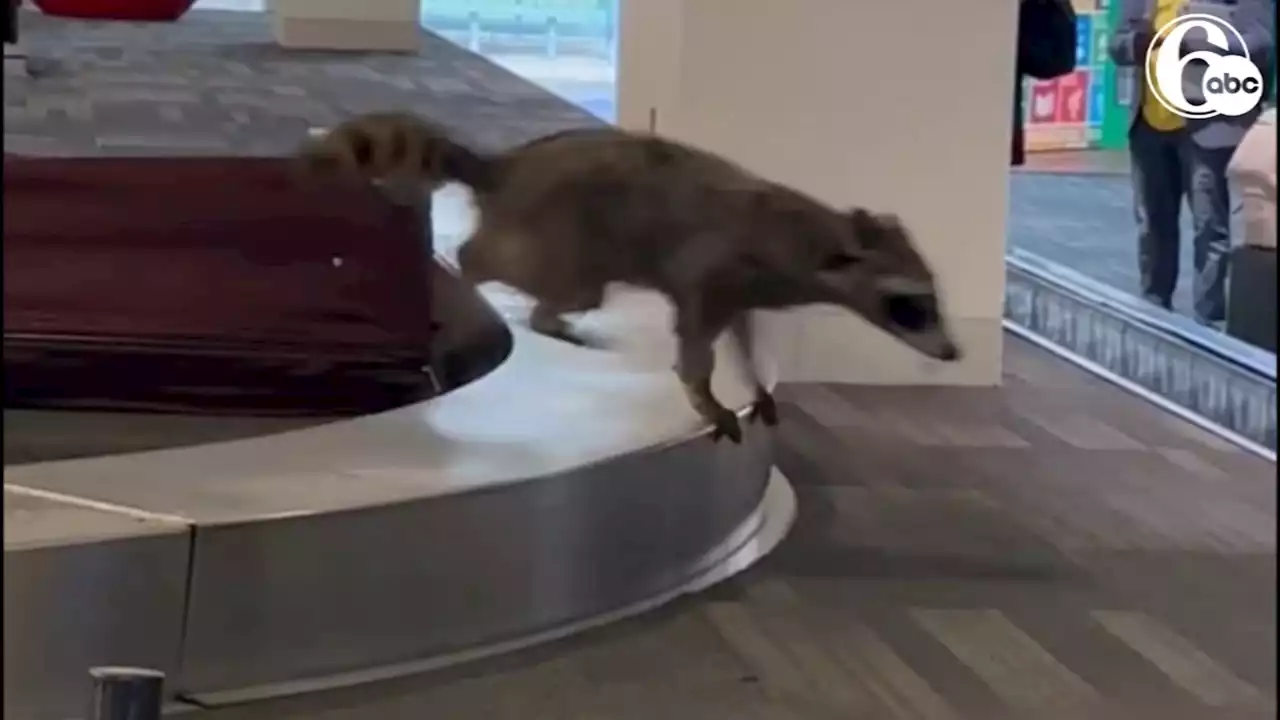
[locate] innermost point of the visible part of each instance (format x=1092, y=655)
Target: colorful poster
x=1072, y=98
x=1069, y=113
x=1119, y=94
x=1044, y=103
x=1097, y=102
x=1084, y=41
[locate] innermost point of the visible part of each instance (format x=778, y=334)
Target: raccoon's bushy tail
x=400, y=145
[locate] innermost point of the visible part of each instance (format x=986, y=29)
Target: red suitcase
x=208, y=285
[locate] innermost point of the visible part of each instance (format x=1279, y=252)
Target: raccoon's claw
x=569, y=337
x=559, y=332
x=764, y=409
x=556, y=328
x=725, y=425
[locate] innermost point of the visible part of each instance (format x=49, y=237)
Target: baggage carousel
x=564, y=488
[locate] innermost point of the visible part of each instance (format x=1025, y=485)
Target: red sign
x=1044, y=102
x=1073, y=96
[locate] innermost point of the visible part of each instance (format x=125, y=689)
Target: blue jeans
x=1167, y=167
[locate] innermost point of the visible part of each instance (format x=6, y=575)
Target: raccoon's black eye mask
x=910, y=312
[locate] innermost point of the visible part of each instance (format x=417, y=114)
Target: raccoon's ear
x=861, y=216
x=862, y=222
x=871, y=228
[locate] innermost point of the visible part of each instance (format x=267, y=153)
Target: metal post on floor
x=126, y=693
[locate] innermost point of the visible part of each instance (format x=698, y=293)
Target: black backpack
x=1046, y=38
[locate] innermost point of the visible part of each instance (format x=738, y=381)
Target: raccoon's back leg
x=473, y=262
x=561, y=284
x=556, y=288
x=547, y=317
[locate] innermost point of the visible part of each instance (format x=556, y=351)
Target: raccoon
x=562, y=216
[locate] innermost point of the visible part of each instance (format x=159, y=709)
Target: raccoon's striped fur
x=563, y=216
x=399, y=150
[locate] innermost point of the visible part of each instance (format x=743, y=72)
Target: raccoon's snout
x=913, y=313
x=950, y=352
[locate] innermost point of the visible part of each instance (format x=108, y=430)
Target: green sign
x=1120, y=93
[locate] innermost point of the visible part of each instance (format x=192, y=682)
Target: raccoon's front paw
x=566, y=335
x=764, y=409
x=725, y=424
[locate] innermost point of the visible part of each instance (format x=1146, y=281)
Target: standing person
x=1046, y=50
x=1251, y=304
x=1173, y=158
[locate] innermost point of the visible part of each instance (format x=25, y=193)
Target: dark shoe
x=1219, y=325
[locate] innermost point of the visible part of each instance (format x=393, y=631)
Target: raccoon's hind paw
x=725, y=424
x=562, y=333
x=570, y=337
x=764, y=409
x=557, y=328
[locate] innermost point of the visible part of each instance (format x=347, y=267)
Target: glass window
x=566, y=46
x=1149, y=208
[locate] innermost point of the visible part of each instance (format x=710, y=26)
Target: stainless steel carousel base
x=567, y=488
x=758, y=535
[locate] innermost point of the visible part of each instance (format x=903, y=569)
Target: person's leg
x=1210, y=202
x=1158, y=174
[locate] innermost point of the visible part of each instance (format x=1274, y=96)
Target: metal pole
x=125, y=693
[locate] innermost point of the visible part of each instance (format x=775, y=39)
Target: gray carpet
x=216, y=83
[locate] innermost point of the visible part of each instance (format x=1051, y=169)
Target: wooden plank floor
x=1050, y=550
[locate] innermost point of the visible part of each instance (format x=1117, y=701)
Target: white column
x=355, y=25
x=900, y=106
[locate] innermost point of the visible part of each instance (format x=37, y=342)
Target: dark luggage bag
x=209, y=285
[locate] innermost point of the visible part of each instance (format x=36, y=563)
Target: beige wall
x=389, y=25
x=901, y=106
